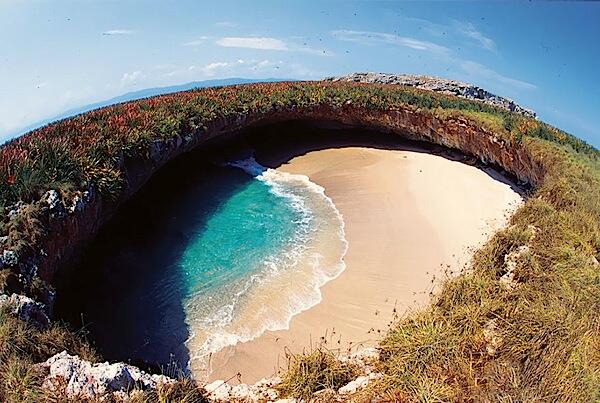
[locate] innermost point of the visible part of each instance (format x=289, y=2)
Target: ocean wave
x=245, y=317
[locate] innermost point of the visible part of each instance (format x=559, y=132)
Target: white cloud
x=132, y=78
x=483, y=72
x=196, y=42
x=118, y=32
x=211, y=69
x=252, y=42
x=265, y=43
x=368, y=37
x=453, y=29
x=225, y=24
x=238, y=67
x=266, y=65
x=471, y=31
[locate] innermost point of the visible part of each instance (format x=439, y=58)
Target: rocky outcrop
x=511, y=260
x=514, y=258
x=492, y=337
x=449, y=87
x=80, y=379
x=75, y=378
x=26, y=309
x=262, y=391
x=359, y=383
x=266, y=389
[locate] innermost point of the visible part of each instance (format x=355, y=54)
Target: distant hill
x=130, y=96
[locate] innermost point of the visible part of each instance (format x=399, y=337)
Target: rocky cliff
x=72, y=222
x=449, y=87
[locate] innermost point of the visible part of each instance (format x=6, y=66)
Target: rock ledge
x=448, y=87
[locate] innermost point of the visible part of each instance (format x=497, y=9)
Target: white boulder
x=82, y=379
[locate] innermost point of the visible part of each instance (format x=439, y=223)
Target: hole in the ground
x=133, y=287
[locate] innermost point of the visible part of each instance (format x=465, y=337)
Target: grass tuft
x=19, y=381
x=184, y=391
x=314, y=371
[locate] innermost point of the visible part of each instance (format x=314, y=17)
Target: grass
x=537, y=339
x=20, y=381
x=22, y=345
x=184, y=391
x=316, y=370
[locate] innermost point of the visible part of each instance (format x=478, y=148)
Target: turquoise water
x=202, y=258
x=273, y=244
x=252, y=225
x=251, y=235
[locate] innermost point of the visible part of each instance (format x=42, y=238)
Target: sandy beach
x=410, y=218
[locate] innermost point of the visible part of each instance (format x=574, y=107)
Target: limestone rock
x=492, y=337
x=241, y=392
x=52, y=200
x=9, y=258
x=218, y=390
x=26, y=309
x=449, y=87
x=79, y=378
x=510, y=263
x=359, y=383
x=16, y=209
x=261, y=391
x=265, y=389
x=354, y=385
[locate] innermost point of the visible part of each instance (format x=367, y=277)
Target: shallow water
x=203, y=257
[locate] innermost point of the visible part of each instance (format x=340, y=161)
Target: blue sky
x=56, y=55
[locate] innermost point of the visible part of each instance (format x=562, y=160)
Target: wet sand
x=411, y=219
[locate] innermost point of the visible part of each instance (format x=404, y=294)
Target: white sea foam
x=247, y=313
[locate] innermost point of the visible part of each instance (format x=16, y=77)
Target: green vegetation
x=524, y=331
x=314, y=371
x=22, y=345
x=184, y=391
